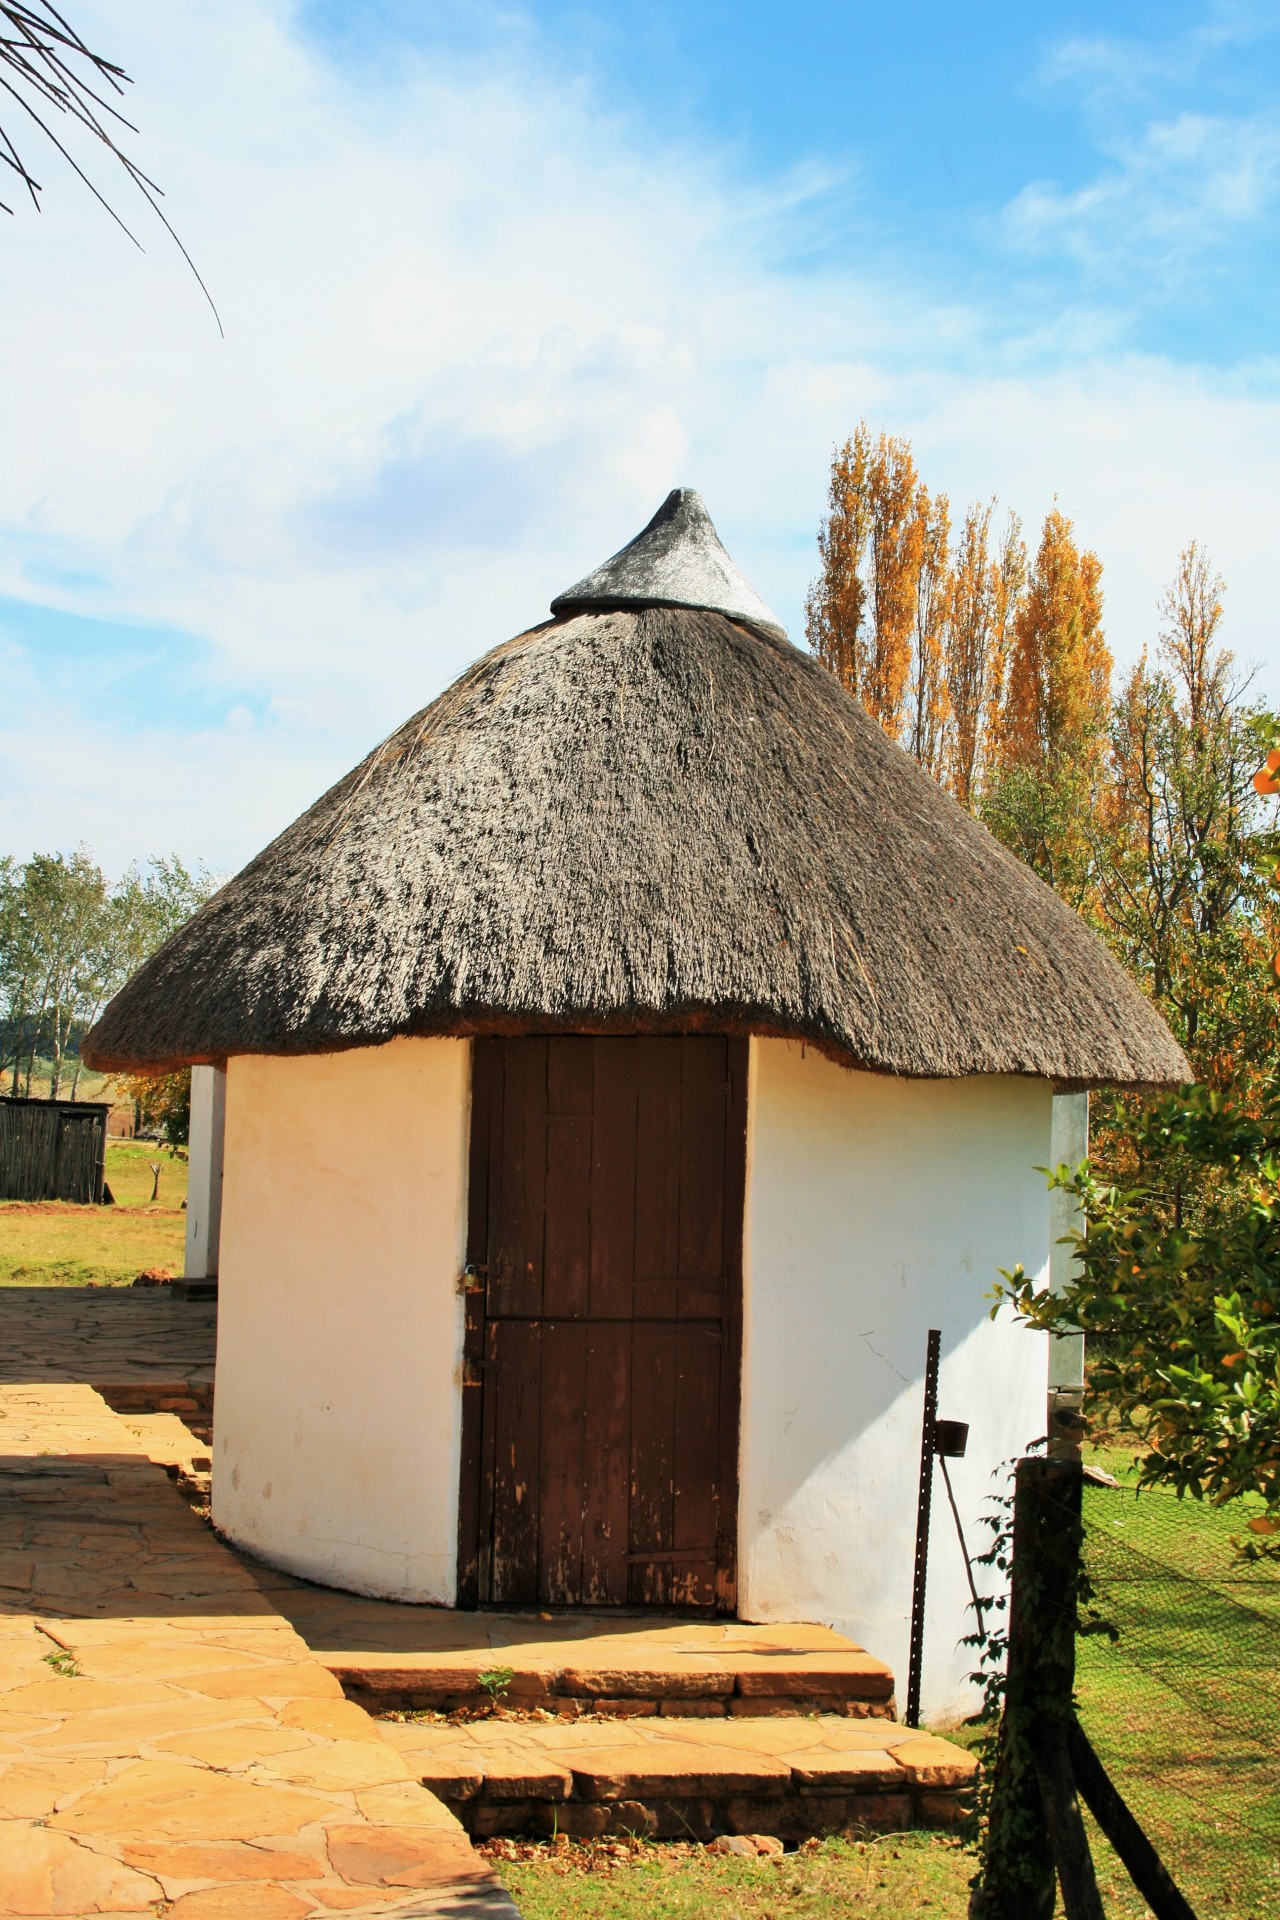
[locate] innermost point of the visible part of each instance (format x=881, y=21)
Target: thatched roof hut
x=650, y=812
x=626, y=1066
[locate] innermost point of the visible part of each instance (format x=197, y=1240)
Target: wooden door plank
x=566, y=1284
x=516, y=1260
x=607, y=1466
x=703, y=1089
x=488, y=1455
x=516, y=1378
x=562, y=1466
x=613, y=1180
x=653, y=1389
x=695, y=1461
x=658, y=1140
x=570, y=1074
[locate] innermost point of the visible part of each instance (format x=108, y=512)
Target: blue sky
x=494, y=278
x=967, y=145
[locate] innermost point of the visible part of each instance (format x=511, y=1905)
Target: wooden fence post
x=1030, y=1821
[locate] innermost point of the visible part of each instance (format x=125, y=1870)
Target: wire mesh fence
x=1178, y=1684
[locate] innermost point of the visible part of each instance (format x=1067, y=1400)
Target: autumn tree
x=971, y=620
x=928, y=703
x=1059, y=675
x=984, y=596
x=161, y=1103
x=1191, y=613
x=897, y=538
x=917, y=630
x=860, y=612
x=836, y=604
x=1043, y=787
x=1177, y=1268
x=1185, y=881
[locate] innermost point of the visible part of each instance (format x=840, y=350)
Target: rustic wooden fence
x=52, y=1149
x=1035, y=1839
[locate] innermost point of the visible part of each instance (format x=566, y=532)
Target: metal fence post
x=924, y=1507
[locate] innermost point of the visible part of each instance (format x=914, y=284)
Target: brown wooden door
x=600, y=1410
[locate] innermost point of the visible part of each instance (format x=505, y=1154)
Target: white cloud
x=476, y=326
x=1180, y=188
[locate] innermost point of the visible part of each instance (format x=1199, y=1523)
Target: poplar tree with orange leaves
x=861, y=610
x=917, y=632
x=928, y=705
x=1049, y=757
x=982, y=604
x=836, y=604
x=1059, y=687
x=897, y=540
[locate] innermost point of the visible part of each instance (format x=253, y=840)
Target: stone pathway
x=177, y=1734
x=141, y=1348
x=168, y=1744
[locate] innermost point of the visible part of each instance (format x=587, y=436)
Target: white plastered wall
x=338, y=1409
x=876, y=1209
x=204, y=1172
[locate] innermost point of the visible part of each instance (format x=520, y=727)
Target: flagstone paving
x=142, y=1349
x=168, y=1744
x=176, y=1728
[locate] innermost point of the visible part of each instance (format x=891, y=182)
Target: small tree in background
x=68, y=941
x=1178, y=1267
x=1185, y=1307
x=161, y=1103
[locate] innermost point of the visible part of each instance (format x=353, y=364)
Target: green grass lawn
x=129, y=1175
x=54, y=1245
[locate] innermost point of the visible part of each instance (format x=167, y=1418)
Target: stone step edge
x=788, y=1814
x=862, y=1695
x=646, y=1769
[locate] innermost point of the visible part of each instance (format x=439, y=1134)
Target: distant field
x=91, y=1086
x=129, y=1176
x=48, y=1244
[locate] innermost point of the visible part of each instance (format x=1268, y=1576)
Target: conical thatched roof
x=650, y=817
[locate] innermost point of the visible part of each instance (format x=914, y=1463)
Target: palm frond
x=46, y=69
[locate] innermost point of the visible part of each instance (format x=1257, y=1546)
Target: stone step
x=404, y=1657
x=792, y=1777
